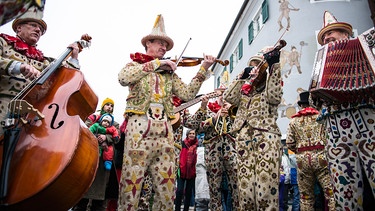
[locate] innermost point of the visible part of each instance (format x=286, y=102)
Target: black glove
x=272, y=58
x=246, y=72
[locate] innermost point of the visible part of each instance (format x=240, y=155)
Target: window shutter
x=231, y=64
x=265, y=11
x=251, y=32
x=240, y=49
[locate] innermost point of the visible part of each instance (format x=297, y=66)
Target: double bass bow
x=49, y=157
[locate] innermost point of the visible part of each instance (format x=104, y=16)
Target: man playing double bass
x=21, y=61
x=149, y=145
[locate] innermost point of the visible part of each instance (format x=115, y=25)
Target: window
x=251, y=32
x=257, y=23
x=265, y=11
x=236, y=56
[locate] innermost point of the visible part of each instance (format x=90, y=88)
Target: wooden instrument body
x=56, y=158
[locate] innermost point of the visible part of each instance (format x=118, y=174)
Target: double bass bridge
x=21, y=108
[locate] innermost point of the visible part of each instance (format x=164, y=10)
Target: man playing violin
x=149, y=143
x=259, y=137
x=20, y=60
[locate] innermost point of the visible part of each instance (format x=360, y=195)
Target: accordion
x=343, y=71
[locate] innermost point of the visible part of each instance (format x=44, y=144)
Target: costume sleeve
x=186, y=92
x=274, y=86
x=9, y=63
x=193, y=121
x=133, y=71
x=291, y=138
x=233, y=93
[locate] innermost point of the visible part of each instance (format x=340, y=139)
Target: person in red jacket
x=186, y=175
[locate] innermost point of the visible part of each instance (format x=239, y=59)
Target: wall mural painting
x=285, y=8
x=289, y=59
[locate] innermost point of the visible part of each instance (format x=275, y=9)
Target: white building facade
x=261, y=23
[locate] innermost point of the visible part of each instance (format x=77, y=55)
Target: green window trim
x=231, y=64
x=251, y=32
x=265, y=11
x=240, y=49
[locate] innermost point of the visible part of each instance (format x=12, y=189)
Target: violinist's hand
x=29, y=71
x=204, y=102
x=168, y=65
x=208, y=61
x=75, y=50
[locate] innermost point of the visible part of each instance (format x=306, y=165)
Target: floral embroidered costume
x=307, y=139
x=14, y=51
x=149, y=139
x=351, y=135
x=258, y=140
x=220, y=151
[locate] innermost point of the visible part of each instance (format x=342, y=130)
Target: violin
x=194, y=61
x=262, y=66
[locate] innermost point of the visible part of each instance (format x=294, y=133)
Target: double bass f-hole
x=55, y=116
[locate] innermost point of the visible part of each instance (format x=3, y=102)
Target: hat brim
x=254, y=58
x=339, y=25
x=302, y=102
x=152, y=37
x=24, y=20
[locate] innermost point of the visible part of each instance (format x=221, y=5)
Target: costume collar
x=306, y=112
x=141, y=57
x=23, y=48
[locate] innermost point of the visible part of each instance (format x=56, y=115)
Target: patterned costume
x=149, y=139
x=351, y=132
x=13, y=52
x=307, y=139
x=258, y=141
x=220, y=154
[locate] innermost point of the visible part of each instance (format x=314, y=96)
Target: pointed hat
x=329, y=23
x=158, y=32
x=33, y=14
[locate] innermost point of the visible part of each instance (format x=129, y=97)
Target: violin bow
x=180, y=58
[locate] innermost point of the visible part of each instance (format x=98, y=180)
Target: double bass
x=49, y=157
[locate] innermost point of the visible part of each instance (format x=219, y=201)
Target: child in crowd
x=105, y=126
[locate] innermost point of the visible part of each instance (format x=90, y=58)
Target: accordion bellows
x=344, y=71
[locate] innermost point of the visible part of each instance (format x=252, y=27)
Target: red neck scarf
x=23, y=48
x=306, y=112
x=141, y=58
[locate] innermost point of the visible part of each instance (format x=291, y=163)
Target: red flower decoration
x=141, y=58
x=246, y=89
x=23, y=48
x=214, y=107
x=176, y=101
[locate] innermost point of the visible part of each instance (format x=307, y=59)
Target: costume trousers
x=312, y=167
x=351, y=146
x=221, y=159
x=148, y=148
x=258, y=166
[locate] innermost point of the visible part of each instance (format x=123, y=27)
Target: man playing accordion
x=351, y=131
